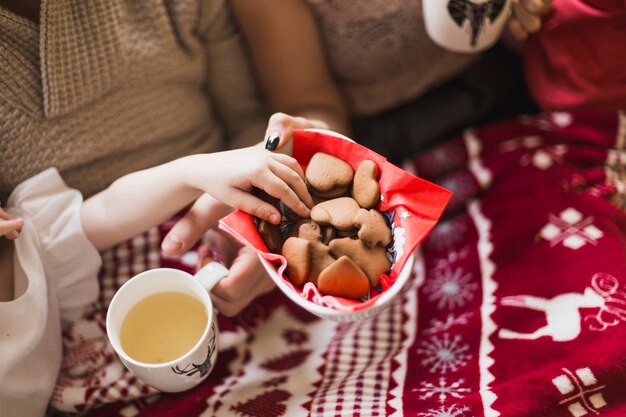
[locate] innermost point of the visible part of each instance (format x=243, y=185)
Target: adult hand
x=526, y=18
x=247, y=279
x=280, y=129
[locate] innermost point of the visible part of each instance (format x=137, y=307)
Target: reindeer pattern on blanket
x=516, y=308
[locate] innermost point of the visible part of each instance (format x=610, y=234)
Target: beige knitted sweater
x=104, y=87
x=380, y=53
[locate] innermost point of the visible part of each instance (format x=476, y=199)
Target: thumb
x=203, y=215
x=279, y=131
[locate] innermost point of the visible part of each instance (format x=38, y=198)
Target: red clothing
x=578, y=59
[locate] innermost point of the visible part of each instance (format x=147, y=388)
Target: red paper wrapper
x=411, y=206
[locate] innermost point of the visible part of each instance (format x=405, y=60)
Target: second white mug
x=465, y=25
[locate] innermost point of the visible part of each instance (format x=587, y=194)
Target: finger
x=232, y=308
x=11, y=226
x=13, y=235
x=272, y=183
x=226, y=246
x=516, y=30
x=246, y=281
x=282, y=125
x=529, y=21
x=272, y=142
x=5, y=216
x=203, y=215
x=279, y=125
x=290, y=162
x=254, y=206
x=295, y=183
x=242, y=274
x=538, y=7
x=241, y=287
x=304, y=123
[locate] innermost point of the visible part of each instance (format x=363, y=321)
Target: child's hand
x=526, y=18
x=230, y=177
x=10, y=227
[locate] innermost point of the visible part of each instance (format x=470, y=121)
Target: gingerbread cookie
x=341, y=248
x=338, y=212
x=343, y=278
x=306, y=229
x=305, y=259
x=271, y=235
x=373, y=261
x=352, y=233
x=291, y=215
x=328, y=176
x=365, y=189
x=373, y=229
x=328, y=234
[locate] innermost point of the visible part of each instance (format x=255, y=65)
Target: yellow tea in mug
x=163, y=326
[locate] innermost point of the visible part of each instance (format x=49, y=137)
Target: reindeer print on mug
x=203, y=368
x=562, y=312
x=476, y=14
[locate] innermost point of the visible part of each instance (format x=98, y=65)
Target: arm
x=136, y=202
x=287, y=53
x=146, y=198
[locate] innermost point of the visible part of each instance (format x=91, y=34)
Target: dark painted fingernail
x=272, y=142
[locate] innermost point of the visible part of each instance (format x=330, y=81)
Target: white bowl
x=330, y=313
x=407, y=232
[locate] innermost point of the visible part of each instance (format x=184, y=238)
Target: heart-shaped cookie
x=343, y=278
x=338, y=212
x=271, y=235
x=328, y=176
x=305, y=259
x=373, y=261
x=365, y=189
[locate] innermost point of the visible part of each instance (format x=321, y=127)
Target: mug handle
x=210, y=274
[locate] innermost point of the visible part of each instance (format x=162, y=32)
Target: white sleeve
x=55, y=273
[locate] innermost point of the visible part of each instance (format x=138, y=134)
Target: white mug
x=194, y=366
x=465, y=25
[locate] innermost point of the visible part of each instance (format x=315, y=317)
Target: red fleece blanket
x=517, y=306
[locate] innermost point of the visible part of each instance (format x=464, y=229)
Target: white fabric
x=55, y=271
